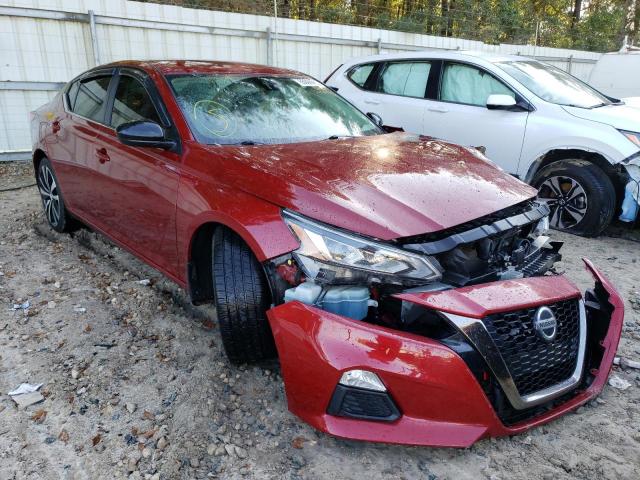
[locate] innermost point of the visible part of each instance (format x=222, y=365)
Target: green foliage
x=583, y=24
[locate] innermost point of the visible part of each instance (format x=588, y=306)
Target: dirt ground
x=136, y=384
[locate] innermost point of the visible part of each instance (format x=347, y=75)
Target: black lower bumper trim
x=362, y=404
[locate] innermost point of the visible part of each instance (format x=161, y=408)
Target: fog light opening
x=362, y=379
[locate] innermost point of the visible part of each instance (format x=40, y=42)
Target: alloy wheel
x=566, y=199
x=50, y=195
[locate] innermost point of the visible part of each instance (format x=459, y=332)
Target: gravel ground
x=136, y=384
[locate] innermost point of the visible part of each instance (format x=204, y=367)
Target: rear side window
x=408, y=79
x=360, y=74
x=91, y=98
x=132, y=103
x=470, y=85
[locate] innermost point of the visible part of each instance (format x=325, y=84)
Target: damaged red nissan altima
x=405, y=283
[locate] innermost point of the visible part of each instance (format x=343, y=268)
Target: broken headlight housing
x=329, y=255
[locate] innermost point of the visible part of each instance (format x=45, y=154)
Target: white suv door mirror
x=500, y=102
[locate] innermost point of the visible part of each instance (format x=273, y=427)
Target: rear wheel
x=579, y=194
x=52, y=200
x=242, y=298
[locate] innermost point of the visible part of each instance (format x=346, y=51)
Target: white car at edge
x=579, y=147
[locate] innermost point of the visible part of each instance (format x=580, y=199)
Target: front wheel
x=579, y=194
x=242, y=298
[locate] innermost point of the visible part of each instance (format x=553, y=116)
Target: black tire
x=53, y=204
x=242, y=298
x=595, y=204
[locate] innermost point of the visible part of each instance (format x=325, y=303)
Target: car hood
x=632, y=102
x=385, y=186
x=623, y=117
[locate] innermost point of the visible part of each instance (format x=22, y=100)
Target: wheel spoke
x=43, y=193
x=576, y=217
x=576, y=195
x=554, y=185
x=47, y=209
x=55, y=211
x=554, y=218
x=43, y=181
x=548, y=201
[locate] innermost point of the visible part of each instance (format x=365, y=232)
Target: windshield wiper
x=249, y=142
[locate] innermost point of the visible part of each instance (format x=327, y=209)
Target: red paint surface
x=485, y=299
x=151, y=201
x=440, y=400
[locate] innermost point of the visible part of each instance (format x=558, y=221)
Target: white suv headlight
x=633, y=137
x=328, y=254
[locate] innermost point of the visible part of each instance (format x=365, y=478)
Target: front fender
x=557, y=131
x=258, y=223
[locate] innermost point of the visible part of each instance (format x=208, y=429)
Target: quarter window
x=72, y=93
x=470, y=85
x=132, y=103
x=360, y=74
x=91, y=97
x=408, y=79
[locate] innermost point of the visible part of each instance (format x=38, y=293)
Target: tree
x=586, y=24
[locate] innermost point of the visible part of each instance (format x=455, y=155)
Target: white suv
x=578, y=146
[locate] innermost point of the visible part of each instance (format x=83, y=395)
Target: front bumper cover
x=440, y=400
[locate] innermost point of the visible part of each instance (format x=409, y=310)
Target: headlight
x=632, y=137
x=329, y=255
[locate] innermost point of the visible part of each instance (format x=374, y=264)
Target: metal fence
x=44, y=43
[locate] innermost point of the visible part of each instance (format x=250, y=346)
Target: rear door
x=140, y=183
x=71, y=146
x=459, y=114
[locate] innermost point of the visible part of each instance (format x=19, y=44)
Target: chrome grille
x=536, y=364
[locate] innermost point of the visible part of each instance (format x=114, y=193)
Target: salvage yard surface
x=136, y=384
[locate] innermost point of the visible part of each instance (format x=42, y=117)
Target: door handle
x=438, y=109
x=372, y=102
x=102, y=155
x=55, y=126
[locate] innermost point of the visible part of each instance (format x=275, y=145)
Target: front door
x=460, y=114
x=143, y=181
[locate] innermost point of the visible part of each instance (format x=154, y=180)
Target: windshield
x=553, y=85
x=241, y=109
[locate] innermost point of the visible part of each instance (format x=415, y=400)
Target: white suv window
x=470, y=85
x=408, y=79
x=360, y=74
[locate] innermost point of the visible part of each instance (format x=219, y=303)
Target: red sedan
x=405, y=283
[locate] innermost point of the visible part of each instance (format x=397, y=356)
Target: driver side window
x=132, y=103
x=470, y=85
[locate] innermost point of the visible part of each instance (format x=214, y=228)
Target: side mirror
x=500, y=102
x=375, y=118
x=143, y=134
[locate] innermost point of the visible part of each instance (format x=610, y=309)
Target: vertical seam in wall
x=42, y=42
x=20, y=54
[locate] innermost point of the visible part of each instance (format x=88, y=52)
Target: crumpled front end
x=474, y=364
x=631, y=200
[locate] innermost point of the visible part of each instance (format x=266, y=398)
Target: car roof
x=439, y=54
x=190, y=67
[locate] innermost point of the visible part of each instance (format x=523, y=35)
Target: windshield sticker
x=214, y=117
